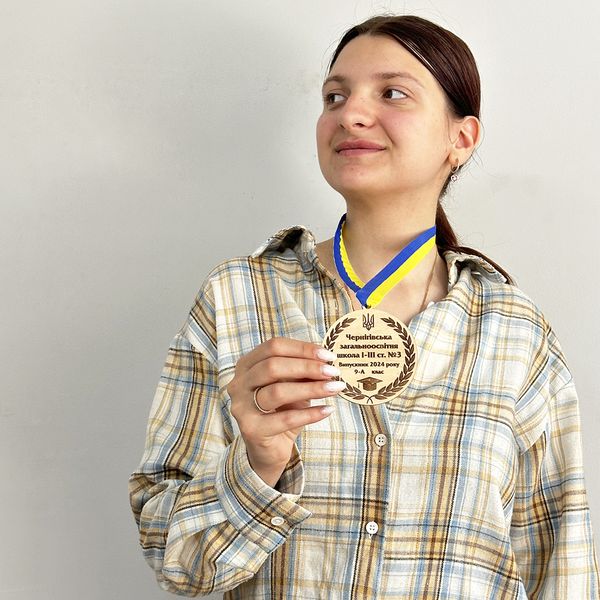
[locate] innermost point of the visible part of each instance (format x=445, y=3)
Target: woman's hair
x=452, y=64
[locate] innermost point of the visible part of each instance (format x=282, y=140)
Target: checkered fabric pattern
x=467, y=486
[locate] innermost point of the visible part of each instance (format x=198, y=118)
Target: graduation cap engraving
x=369, y=383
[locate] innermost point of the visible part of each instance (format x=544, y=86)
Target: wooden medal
x=376, y=355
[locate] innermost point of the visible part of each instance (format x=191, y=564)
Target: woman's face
x=384, y=125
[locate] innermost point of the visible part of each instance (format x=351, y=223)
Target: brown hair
x=452, y=64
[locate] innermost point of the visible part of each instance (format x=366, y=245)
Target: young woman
x=466, y=485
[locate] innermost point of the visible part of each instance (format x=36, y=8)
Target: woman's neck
x=374, y=236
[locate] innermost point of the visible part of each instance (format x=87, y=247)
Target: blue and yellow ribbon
x=370, y=294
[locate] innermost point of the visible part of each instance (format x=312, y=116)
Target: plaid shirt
x=468, y=486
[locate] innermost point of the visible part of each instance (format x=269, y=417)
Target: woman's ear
x=467, y=134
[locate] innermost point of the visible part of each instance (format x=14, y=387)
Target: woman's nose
x=357, y=112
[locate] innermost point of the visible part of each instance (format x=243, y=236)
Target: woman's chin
x=359, y=189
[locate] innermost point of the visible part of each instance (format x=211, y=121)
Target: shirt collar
x=302, y=242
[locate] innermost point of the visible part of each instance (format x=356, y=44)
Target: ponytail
x=446, y=240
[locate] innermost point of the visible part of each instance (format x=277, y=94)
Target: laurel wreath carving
x=333, y=335
x=354, y=392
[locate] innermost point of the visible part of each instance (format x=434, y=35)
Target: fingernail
x=326, y=355
x=330, y=370
x=335, y=386
x=327, y=410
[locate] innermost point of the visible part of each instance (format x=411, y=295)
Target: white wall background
x=142, y=142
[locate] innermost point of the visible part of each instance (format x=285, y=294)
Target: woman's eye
x=395, y=94
x=333, y=98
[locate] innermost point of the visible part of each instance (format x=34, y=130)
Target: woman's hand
x=288, y=374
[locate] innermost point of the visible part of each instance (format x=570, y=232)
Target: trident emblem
x=368, y=321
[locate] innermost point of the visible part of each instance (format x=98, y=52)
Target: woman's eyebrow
x=383, y=75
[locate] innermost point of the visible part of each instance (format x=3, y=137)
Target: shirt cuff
x=291, y=482
x=263, y=515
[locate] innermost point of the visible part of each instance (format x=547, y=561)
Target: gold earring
x=453, y=170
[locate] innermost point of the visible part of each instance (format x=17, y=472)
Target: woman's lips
x=359, y=151
x=358, y=147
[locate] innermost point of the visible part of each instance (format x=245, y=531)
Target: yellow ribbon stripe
x=346, y=262
x=379, y=292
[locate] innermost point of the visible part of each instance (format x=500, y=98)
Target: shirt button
x=277, y=521
x=380, y=439
x=372, y=527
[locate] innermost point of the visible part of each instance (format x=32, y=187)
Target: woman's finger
x=286, y=420
x=279, y=368
x=281, y=394
x=285, y=347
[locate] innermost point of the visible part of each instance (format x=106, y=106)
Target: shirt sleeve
x=207, y=521
x=551, y=528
